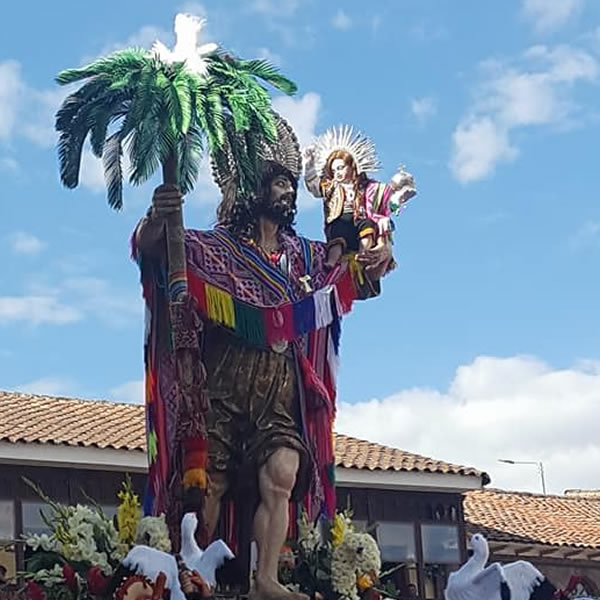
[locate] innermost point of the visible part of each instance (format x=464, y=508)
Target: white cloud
x=272, y=57
x=586, y=235
x=547, y=15
x=276, y=8
x=130, y=392
x=423, y=108
x=47, y=386
x=302, y=114
x=7, y=163
x=376, y=21
x=206, y=193
x=478, y=145
x=37, y=310
x=26, y=243
x=516, y=408
x=65, y=301
x=24, y=110
x=144, y=37
x=535, y=91
x=98, y=297
x=12, y=91
x=341, y=20
x=194, y=8
x=41, y=109
x=91, y=174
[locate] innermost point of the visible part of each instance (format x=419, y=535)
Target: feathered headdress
x=344, y=137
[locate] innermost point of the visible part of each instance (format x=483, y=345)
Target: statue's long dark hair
x=239, y=214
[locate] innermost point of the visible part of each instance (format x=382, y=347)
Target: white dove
x=516, y=581
x=187, y=28
x=206, y=562
x=150, y=562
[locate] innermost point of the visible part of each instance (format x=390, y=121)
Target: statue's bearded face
x=281, y=205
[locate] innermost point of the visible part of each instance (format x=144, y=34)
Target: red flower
x=97, y=581
x=70, y=579
x=34, y=591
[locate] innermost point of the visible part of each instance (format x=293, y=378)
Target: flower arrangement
x=332, y=563
x=76, y=559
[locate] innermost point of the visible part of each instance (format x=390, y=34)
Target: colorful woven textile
x=236, y=287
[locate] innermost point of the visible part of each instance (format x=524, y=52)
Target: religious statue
x=357, y=209
x=263, y=401
x=243, y=321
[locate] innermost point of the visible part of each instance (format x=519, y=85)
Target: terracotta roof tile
x=533, y=518
x=361, y=454
x=47, y=419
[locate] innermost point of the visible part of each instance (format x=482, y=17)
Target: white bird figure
x=206, y=562
x=516, y=581
x=187, y=28
x=150, y=562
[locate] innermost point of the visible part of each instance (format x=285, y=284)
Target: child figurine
x=357, y=209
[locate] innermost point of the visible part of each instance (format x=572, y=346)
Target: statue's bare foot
x=267, y=589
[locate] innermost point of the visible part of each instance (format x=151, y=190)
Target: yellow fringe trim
x=219, y=306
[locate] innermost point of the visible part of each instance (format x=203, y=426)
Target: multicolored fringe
x=265, y=326
x=220, y=272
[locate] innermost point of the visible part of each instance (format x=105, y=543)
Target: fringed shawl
x=234, y=286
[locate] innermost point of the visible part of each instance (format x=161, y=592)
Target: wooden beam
x=549, y=551
x=580, y=551
x=525, y=550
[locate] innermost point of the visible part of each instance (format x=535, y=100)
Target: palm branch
x=164, y=115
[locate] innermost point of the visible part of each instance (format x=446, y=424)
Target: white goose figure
x=519, y=580
x=150, y=562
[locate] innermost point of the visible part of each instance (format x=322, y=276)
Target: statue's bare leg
x=217, y=486
x=276, y=480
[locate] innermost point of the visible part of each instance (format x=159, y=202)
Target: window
x=32, y=520
x=440, y=544
x=397, y=541
x=7, y=534
x=7, y=520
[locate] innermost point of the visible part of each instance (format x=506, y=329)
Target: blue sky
x=485, y=340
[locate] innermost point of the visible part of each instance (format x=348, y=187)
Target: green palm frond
x=115, y=66
x=191, y=148
x=113, y=170
x=103, y=115
x=163, y=113
x=145, y=147
x=269, y=73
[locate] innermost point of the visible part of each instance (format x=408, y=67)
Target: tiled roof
x=533, y=518
x=47, y=419
x=360, y=454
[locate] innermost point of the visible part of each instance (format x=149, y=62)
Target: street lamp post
x=538, y=464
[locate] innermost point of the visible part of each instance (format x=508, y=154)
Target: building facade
x=560, y=535
x=79, y=449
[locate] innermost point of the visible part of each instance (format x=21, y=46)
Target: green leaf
x=191, y=148
x=115, y=65
x=181, y=84
x=113, y=170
